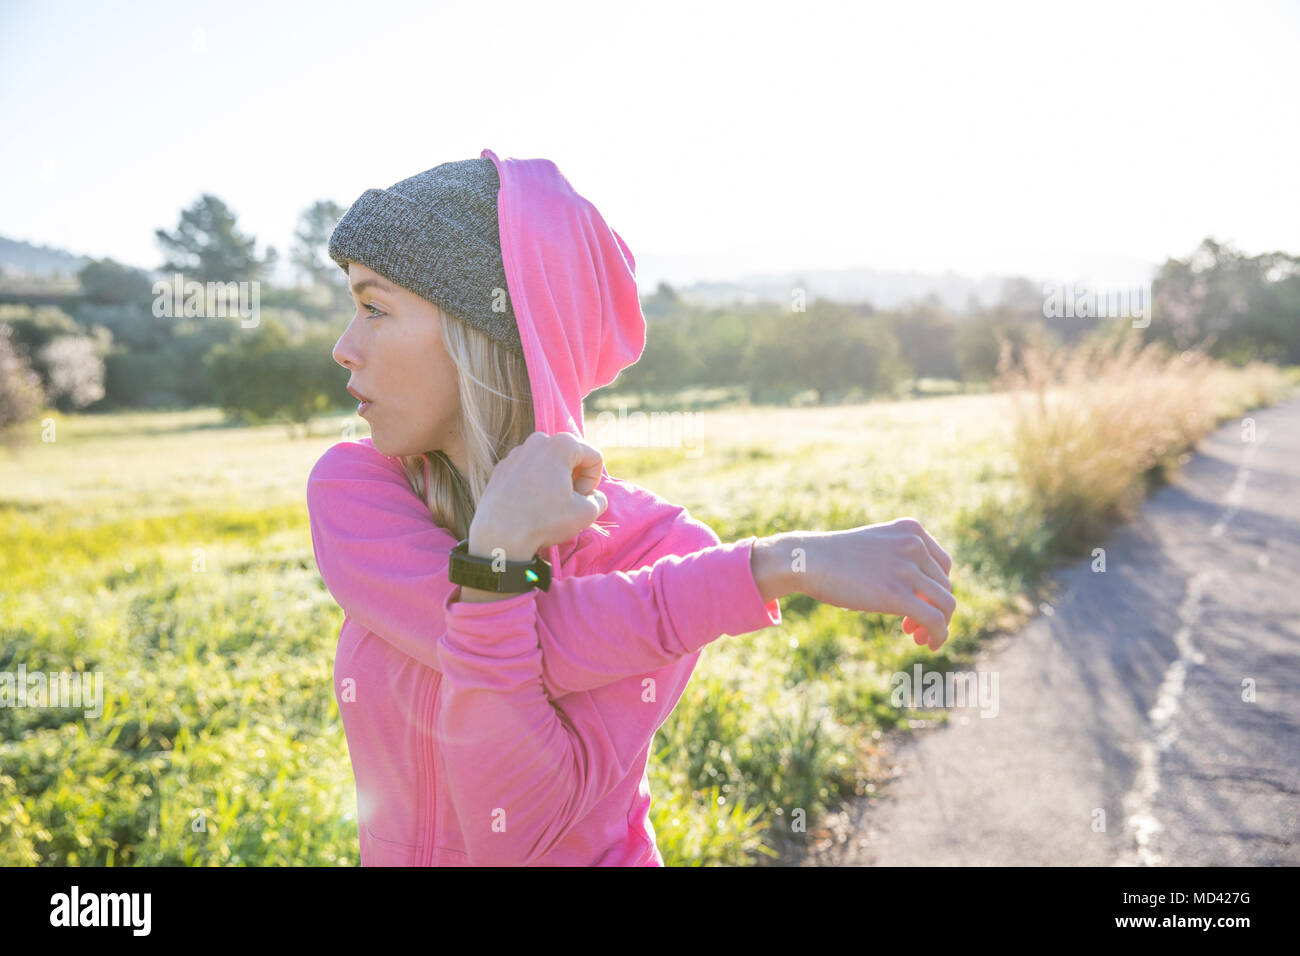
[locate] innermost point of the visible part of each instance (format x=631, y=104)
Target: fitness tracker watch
x=476, y=572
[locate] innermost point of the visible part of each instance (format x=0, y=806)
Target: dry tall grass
x=1095, y=424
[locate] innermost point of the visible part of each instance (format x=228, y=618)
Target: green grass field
x=173, y=555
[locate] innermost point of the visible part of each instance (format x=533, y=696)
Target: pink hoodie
x=516, y=731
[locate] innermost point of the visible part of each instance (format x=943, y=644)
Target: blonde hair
x=496, y=414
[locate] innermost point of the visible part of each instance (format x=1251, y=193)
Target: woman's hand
x=541, y=493
x=890, y=568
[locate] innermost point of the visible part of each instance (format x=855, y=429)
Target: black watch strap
x=476, y=572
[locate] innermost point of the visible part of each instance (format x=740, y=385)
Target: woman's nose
x=344, y=353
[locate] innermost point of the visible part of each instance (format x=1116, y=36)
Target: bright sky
x=1039, y=139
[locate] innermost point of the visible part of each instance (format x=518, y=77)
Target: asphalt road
x=1125, y=733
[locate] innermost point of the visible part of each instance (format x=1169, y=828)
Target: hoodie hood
x=572, y=284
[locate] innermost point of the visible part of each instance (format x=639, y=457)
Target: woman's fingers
x=921, y=637
x=936, y=552
x=595, y=500
x=934, y=587
x=935, y=593
x=928, y=616
x=928, y=612
x=936, y=573
x=586, y=463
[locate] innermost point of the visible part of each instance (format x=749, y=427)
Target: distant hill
x=24, y=260
x=884, y=290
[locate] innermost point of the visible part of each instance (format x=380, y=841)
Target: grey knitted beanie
x=436, y=234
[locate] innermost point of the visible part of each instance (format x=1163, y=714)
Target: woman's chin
x=388, y=449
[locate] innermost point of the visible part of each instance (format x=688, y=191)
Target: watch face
x=477, y=572
x=475, y=575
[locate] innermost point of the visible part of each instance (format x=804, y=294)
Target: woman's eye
x=373, y=310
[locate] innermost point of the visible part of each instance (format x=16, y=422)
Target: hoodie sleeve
x=523, y=770
x=384, y=560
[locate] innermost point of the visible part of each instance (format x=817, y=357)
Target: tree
x=273, y=374
x=664, y=301
x=207, y=247
x=979, y=341
x=327, y=293
x=1245, y=306
x=832, y=349
x=925, y=336
x=34, y=328
x=310, y=252
x=1021, y=298
x=21, y=395
x=75, y=371
x=106, y=282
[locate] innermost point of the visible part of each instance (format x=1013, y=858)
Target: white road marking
x=1139, y=803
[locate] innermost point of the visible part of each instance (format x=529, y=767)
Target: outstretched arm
x=385, y=562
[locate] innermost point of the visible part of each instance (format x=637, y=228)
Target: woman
x=513, y=728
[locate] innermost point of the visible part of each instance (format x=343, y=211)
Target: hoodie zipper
x=428, y=798
x=427, y=793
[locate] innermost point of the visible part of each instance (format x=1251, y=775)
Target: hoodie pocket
x=379, y=852
x=443, y=856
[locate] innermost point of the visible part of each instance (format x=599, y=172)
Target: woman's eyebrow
x=379, y=284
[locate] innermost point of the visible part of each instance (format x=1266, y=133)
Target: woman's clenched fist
x=542, y=492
